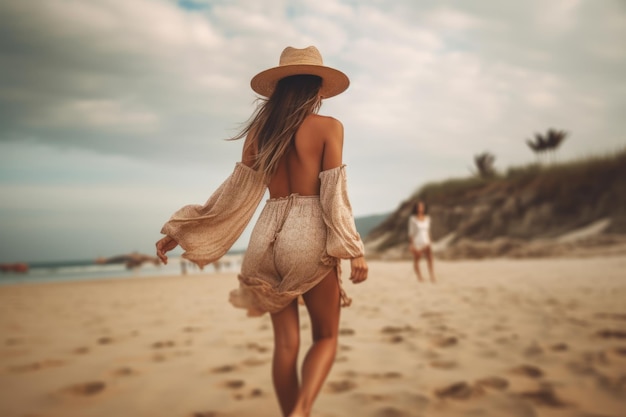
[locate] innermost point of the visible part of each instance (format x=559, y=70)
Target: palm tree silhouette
x=484, y=164
x=548, y=143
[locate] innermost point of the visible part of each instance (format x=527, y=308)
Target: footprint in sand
x=370, y=398
x=233, y=383
x=105, y=340
x=124, y=371
x=206, y=414
x=443, y=364
x=254, y=362
x=35, y=366
x=346, y=332
x=595, y=358
x=191, y=329
x=376, y=375
x=444, y=341
x=494, y=382
x=391, y=412
x=615, y=384
x=533, y=350
x=257, y=347
x=163, y=344
x=236, y=385
x=611, y=334
x=13, y=341
x=544, y=396
x=619, y=351
x=396, y=329
x=86, y=389
x=528, y=370
x=223, y=369
x=387, y=375
x=581, y=368
x=459, y=391
x=396, y=333
x=499, y=327
x=81, y=350
x=256, y=392
x=337, y=387
x=559, y=347
x=432, y=314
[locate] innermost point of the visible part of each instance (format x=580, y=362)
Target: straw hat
x=295, y=61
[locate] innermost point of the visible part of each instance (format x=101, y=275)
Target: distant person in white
x=419, y=239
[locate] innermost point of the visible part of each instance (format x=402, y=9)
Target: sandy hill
x=574, y=208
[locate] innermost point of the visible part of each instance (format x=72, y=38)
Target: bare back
x=317, y=146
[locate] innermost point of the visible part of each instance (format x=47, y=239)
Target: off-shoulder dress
x=295, y=243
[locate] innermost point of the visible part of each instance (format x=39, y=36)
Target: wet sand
x=492, y=338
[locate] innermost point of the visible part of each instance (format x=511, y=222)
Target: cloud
x=94, y=75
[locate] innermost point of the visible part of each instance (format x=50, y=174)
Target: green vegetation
x=527, y=202
x=574, y=181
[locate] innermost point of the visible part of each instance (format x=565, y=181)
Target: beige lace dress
x=295, y=243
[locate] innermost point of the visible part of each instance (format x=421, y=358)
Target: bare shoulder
x=322, y=123
x=325, y=128
x=329, y=137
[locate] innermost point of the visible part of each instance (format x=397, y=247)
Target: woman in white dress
x=419, y=239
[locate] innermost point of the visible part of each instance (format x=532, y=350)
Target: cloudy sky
x=113, y=113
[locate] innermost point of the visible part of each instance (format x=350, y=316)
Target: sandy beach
x=542, y=337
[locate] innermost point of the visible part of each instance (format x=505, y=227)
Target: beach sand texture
x=492, y=338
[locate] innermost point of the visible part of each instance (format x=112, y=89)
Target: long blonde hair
x=278, y=117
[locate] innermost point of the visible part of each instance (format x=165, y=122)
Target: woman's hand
x=358, y=271
x=163, y=246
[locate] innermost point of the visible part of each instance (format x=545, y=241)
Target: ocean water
x=81, y=270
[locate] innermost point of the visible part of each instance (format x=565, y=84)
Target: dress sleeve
x=207, y=232
x=342, y=241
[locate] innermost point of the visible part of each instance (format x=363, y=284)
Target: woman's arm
x=333, y=158
x=248, y=157
x=207, y=231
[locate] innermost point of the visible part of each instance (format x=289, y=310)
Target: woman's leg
x=416, y=264
x=285, y=362
x=322, y=302
x=429, y=260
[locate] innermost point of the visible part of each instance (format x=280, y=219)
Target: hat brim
x=334, y=82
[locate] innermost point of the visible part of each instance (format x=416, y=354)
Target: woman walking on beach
x=304, y=229
x=419, y=239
